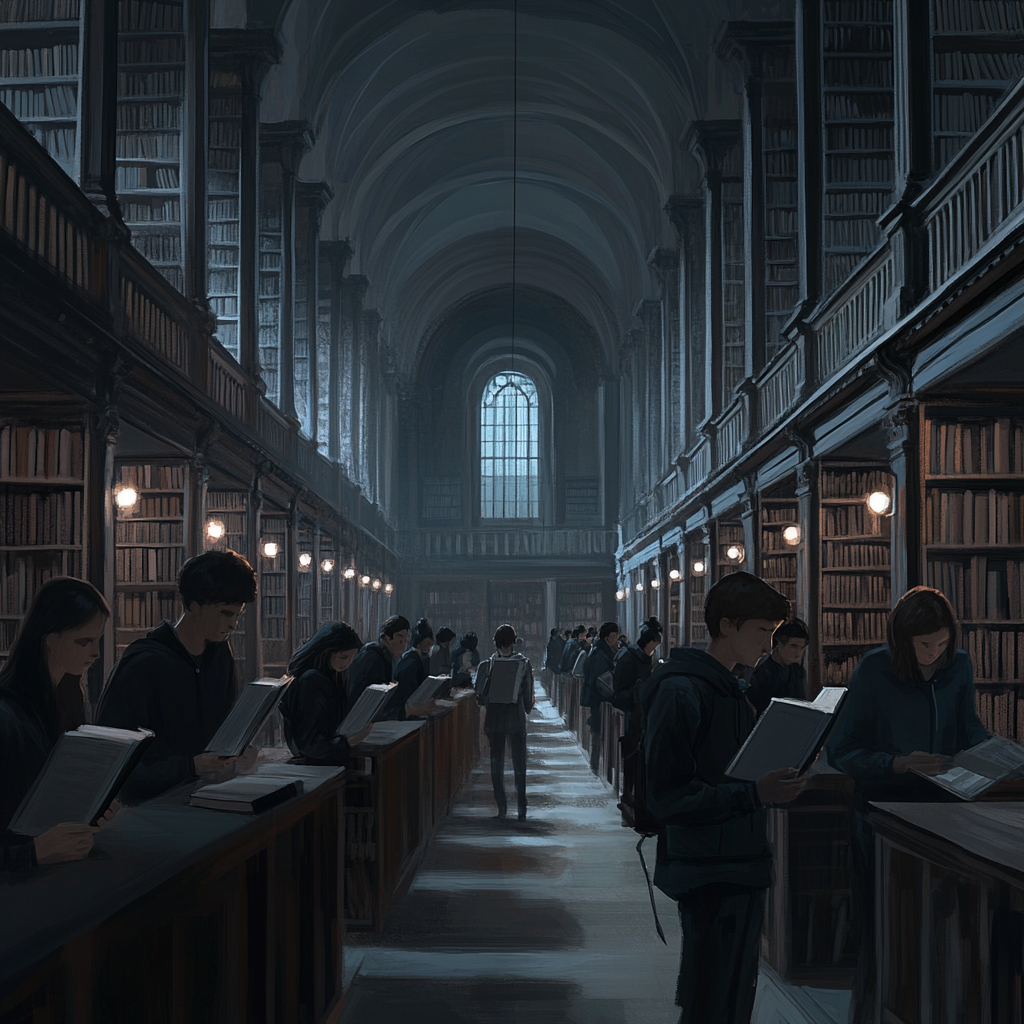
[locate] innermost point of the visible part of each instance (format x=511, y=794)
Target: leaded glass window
x=509, y=448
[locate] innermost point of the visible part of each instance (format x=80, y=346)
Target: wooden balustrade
x=778, y=387
x=512, y=543
x=731, y=434
x=226, y=382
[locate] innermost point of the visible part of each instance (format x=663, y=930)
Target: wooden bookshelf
x=580, y=604
x=223, y=205
x=150, y=110
x=40, y=73
x=330, y=610
x=270, y=256
x=275, y=641
x=305, y=586
x=698, y=585
x=974, y=546
x=520, y=602
x=43, y=512
x=458, y=604
x=859, y=171
x=778, y=556
x=232, y=509
x=729, y=533
x=855, y=595
x=149, y=548
x=977, y=56
x=733, y=275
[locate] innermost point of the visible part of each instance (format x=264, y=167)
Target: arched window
x=509, y=448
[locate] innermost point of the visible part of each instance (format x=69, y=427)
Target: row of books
x=150, y=146
x=223, y=233
x=854, y=627
x=844, y=233
x=838, y=555
x=40, y=61
x=224, y=106
x=981, y=588
x=996, y=654
x=49, y=101
x=854, y=484
x=972, y=517
x=837, y=672
x=773, y=541
x=1001, y=713
x=225, y=501
x=148, y=565
x=162, y=507
x=845, y=169
x=147, y=476
x=845, y=204
x=13, y=11
x=149, y=533
x=151, y=51
x=852, y=521
x=60, y=143
x=150, y=83
x=162, y=211
x=53, y=517
x=957, y=66
x=962, y=112
x=158, y=248
x=870, y=39
x=858, y=10
x=780, y=164
x=225, y=134
x=146, y=609
x=978, y=16
x=840, y=106
x=22, y=575
x=142, y=116
x=840, y=588
x=222, y=209
x=860, y=71
x=40, y=452
x=131, y=176
x=975, y=448
x=146, y=16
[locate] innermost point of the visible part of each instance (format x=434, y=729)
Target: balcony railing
x=731, y=434
x=538, y=543
x=778, y=388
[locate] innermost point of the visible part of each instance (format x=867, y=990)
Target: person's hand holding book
x=360, y=737
x=65, y=842
x=781, y=786
x=106, y=817
x=213, y=764
x=921, y=762
x=420, y=710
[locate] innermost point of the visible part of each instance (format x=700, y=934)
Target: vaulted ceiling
x=455, y=134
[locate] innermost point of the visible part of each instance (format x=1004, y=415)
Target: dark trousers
x=721, y=941
x=517, y=741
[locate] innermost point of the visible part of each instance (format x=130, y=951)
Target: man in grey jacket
x=713, y=853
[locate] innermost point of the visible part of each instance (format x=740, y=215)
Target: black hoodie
x=158, y=685
x=372, y=664
x=632, y=667
x=715, y=828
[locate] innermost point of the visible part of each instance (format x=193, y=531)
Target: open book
x=788, y=734
x=370, y=703
x=80, y=778
x=979, y=768
x=250, y=711
x=248, y=794
x=429, y=689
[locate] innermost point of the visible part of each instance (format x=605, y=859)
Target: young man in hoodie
x=713, y=853
x=781, y=673
x=598, y=684
x=180, y=680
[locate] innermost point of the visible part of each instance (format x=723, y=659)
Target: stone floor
x=541, y=922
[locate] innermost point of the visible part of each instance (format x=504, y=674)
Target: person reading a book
x=179, y=680
x=314, y=704
x=465, y=659
x=909, y=709
x=40, y=698
x=375, y=661
x=598, y=684
x=571, y=653
x=713, y=853
x=781, y=673
x=441, y=652
x=504, y=685
x=411, y=670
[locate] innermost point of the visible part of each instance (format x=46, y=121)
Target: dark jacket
x=372, y=664
x=440, y=663
x=312, y=708
x=158, y=685
x=600, y=660
x=410, y=671
x=632, y=666
x=509, y=718
x=770, y=679
x=885, y=716
x=569, y=656
x=715, y=828
x=553, y=653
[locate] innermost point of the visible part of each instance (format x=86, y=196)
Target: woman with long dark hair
x=315, y=703
x=57, y=643
x=909, y=708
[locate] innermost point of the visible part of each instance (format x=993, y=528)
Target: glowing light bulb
x=305, y=560
x=879, y=502
x=699, y=568
x=126, y=497
x=639, y=586
x=215, y=529
x=270, y=549
x=389, y=588
x=377, y=584
x=655, y=583
x=675, y=574
x=791, y=535
x=365, y=580
x=349, y=573
x=327, y=565
x=620, y=595
x=734, y=553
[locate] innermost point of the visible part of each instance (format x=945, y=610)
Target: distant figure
x=598, y=684
x=572, y=650
x=465, y=659
x=781, y=673
x=314, y=705
x=441, y=652
x=180, y=680
x=553, y=652
x=59, y=639
x=375, y=661
x=507, y=721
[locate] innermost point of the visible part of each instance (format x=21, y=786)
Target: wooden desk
x=949, y=901
x=184, y=915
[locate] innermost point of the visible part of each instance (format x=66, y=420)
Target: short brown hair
x=742, y=596
x=920, y=611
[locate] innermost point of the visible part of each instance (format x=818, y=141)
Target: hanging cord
x=515, y=161
x=650, y=889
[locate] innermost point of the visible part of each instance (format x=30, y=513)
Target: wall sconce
x=699, y=568
x=655, y=583
x=389, y=588
x=270, y=549
x=327, y=565
x=791, y=535
x=377, y=584
x=126, y=498
x=734, y=552
x=305, y=561
x=349, y=573
x=365, y=580
x=620, y=595
x=675, y=575
x=215, y=529
x=880, y=503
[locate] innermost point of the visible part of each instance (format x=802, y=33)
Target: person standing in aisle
x=506, y=722
x=909, y=708
x=599, y=685
x=553, y=655
x=781, y=673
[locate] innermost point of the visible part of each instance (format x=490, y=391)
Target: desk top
x=992, y=831
x=386, y=734
x=142, y=849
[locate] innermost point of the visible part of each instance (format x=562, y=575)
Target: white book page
x=994, y=758
x=243, y=719
x=963, y=783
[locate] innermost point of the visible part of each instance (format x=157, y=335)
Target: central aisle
x=547, y=921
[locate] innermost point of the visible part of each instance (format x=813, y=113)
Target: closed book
x=429, y=689
x=250, y=711
x=247, y=794
x=369, y=704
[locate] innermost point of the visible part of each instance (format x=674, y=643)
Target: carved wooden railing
x=698, y=468
x=778, y=388
x=522, y=543
x=148, y=303
x=731, y=434
x=226, y=382
x=976, y=202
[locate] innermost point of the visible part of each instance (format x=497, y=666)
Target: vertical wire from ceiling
x=515, y=161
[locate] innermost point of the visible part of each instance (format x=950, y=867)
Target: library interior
x=550, y=313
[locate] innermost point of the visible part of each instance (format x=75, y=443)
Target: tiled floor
x=541, y=922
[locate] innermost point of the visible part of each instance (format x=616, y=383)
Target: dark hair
x=920, y=611
x=317, y=650
x=217, y=577
x=554, y=632
x=649, y=631
x=742, y=596
x=504, y=636
x=591, y=632
x=421, y=631
x=607, y=628
x=444, y=634
x=791, y=629
x=566, y=633
x=60, y=604
x=394, y=625
x=469, y=641
x=578, y=630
